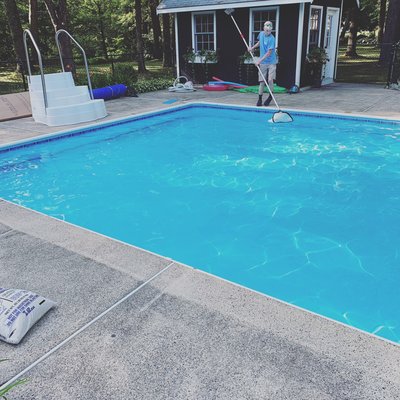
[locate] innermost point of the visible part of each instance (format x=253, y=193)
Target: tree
x=14, y=22
x=382, y=15
x=59, y=17
x=139, y=37
x=167, y=53
x=354, y=15
x=33, y=19
x=392, y=30
x=6, y=43
x=33, y=24
x=101, y=11
x=155, y=21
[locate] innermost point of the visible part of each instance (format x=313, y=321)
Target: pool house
x=299, y=26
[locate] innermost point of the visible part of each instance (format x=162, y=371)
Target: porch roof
x=176, y=6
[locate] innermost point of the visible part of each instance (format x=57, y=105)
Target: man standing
x=267, y=61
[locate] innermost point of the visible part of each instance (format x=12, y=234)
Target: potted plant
x=245, y=68
x=207, y=57
x=316, y=59
x=189, y=58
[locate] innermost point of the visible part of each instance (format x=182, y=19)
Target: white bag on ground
x=19, y=311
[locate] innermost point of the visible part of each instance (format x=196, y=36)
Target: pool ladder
x=55, y=100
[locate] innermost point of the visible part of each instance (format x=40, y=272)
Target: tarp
x=16, y=105
x=254, y=89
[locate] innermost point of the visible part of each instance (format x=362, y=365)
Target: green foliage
x=317, y=55
x=6, y=44
x=244, y=57
x=364, y=69
x=105, y=76
x=208, y=56
x=151, y=85
x=190, y=55
x=369, y=16
x=10, y=81
x=100, y=80
x=126, y=74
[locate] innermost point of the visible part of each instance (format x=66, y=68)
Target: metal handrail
x=84, y=57
x=27, y=32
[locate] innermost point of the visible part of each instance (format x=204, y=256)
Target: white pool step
x=67, y=96
x=66, y=103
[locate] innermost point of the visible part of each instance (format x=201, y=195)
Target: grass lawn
x=364, y=69
x=11, y=82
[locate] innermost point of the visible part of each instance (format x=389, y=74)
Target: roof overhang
x=244, y=4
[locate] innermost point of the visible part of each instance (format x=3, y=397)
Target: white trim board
x=194, y=28
x=337, y=45
x=276, y=27
x=300, y=29
x=246, y=4
x=320, y=26
x=178, y=68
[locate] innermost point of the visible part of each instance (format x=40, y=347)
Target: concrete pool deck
x=133, y=325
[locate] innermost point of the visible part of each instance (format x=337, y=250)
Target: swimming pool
x=306, y=212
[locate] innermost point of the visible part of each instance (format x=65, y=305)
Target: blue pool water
x=307, y=212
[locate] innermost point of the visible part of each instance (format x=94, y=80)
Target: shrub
x=101, y=80
x=151, y=85
x=126, y=74
x=98, y=80
x=318, y=55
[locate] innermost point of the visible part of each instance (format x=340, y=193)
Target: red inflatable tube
x=215, y=88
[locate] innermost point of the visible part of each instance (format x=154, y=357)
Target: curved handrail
x=84, y=57
x=27, y=32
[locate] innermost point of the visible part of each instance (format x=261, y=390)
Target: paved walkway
x=133, y=325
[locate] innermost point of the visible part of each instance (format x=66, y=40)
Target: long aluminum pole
x=83, y=53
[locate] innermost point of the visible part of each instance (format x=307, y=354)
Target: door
x=330, y=42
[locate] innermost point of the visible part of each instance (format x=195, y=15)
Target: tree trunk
x=14, y=23
x=59, y=18
x=100, y=14
x=167, y=53
x=155, y=21
x=33, y=25
x=354, y=14
x=139, y=37
x=392, y=29
x=344, y=28
x=382, y=15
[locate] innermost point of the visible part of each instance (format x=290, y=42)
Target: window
x=314, y=35
x=257, y=18
x=204, y=31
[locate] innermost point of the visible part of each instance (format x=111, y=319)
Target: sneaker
x=266, y=102
x=259, y=102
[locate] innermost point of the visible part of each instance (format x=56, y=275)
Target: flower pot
x=316, y=75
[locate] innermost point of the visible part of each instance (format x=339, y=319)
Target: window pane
x=315, y=27
x=259, y=17
x=204, y=32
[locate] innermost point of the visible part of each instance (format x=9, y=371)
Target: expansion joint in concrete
x=83, y=328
